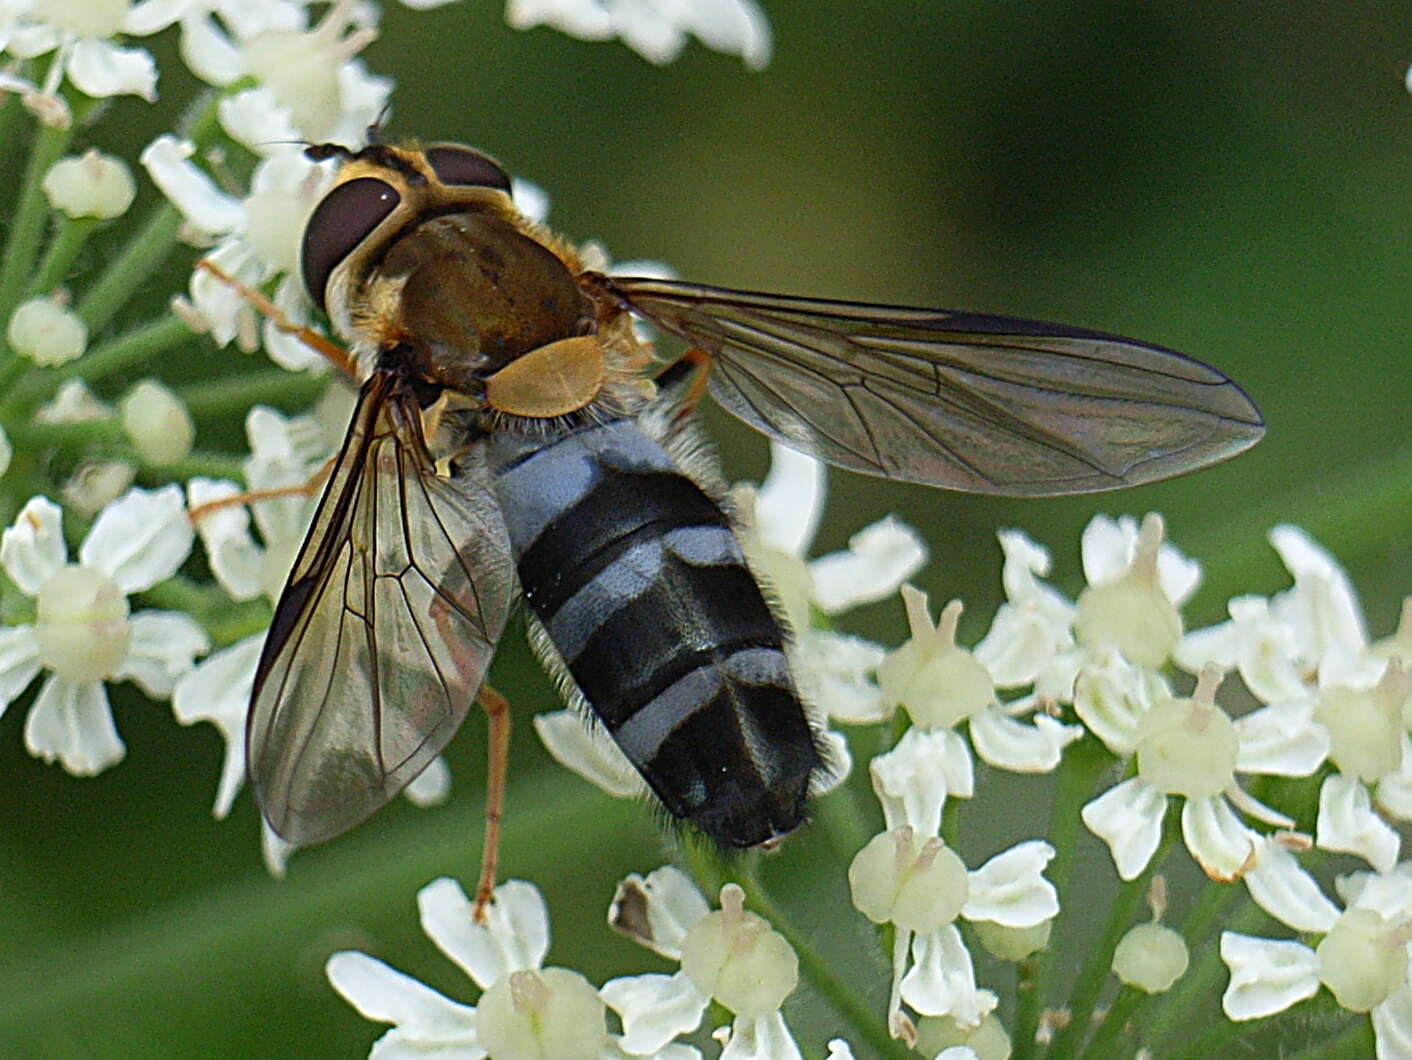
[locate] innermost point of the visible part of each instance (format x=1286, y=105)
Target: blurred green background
x=1228, y=179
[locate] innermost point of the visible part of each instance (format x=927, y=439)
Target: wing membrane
x=384, y=631
x=966, y=401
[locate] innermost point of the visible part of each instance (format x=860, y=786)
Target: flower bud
x=46, y=332
x=93, y=185
x=1150, y=957
x=738, y=959
x=917, y=885
x=157, y=422
x=550, y=1014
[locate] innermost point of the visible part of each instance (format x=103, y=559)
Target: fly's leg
x=307, y=488
x=497, y=715
x=319, y=343
x=689, y=374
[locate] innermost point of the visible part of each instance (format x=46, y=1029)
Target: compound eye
x=462, y=166
x=347, y=216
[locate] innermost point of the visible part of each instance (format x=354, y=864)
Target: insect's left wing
x=966, y=401
x=385, y=629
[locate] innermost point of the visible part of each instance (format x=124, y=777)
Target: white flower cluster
x=729, y=956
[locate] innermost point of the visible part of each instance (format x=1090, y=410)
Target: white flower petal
x=1281, y=887
x=289, y=351
x=942, y=980
x=207, y=52
x=1392, y=1025
x=19, y=662
x=1347, y=822
x=670, y=902
x=1129, y=819
x=1322, y=607
x=382, y=993
x=734, y=27
x=190, y=190
x=162, y=646
x=1010, y=888
x=1108, y=547
x=1221, y=845
x=879, y=558
x=835, y=671
x=101, y=69
x=234, y=557
x=32, y=549
x=585, y=749
x=71, y=722
x=1022, y=640
x=218, y=691
x=1281, y=739
x=654, y=1009
x=1394, y=791
x=760, y=1038
x=1111, y=696
x=140, y=539
x=913, y=780
x=1008, y=743
x=258, y=120
x=1267, y=975
x=515, y=936
x=790, y=501
x=430, y=787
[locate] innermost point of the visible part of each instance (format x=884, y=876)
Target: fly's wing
x=384, y=631
x=985, y=404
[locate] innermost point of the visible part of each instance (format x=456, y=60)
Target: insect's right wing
x=385, y=629
x=965, y=401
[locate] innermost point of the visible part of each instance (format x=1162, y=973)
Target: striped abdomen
x=641, y=586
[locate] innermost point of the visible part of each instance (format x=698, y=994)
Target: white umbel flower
x=1362, y=958
x=729, y=955
x=85, y=633
x=655, y=29
x=1187, y=748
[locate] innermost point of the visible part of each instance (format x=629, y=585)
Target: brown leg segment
x=306, y=488
x=319, y=343
x=696, y=364
x=497, y=715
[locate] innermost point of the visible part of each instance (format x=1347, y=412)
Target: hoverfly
x=511, y=438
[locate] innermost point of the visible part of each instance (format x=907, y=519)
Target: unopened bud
x=92, y=185
x=46, y=332
x=157, y=422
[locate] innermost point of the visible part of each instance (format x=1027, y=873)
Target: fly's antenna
x=374, y=131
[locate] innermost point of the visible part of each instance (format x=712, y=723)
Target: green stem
x=1083, y=763
x=236, y=393
x=1093, y=977
x=30, y=212
x=1115, y=1024
x=140, y=257
x=124, y=352
x=859, y=1016
x=209, y=465
x=1354, y=1042
x=64, y=247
